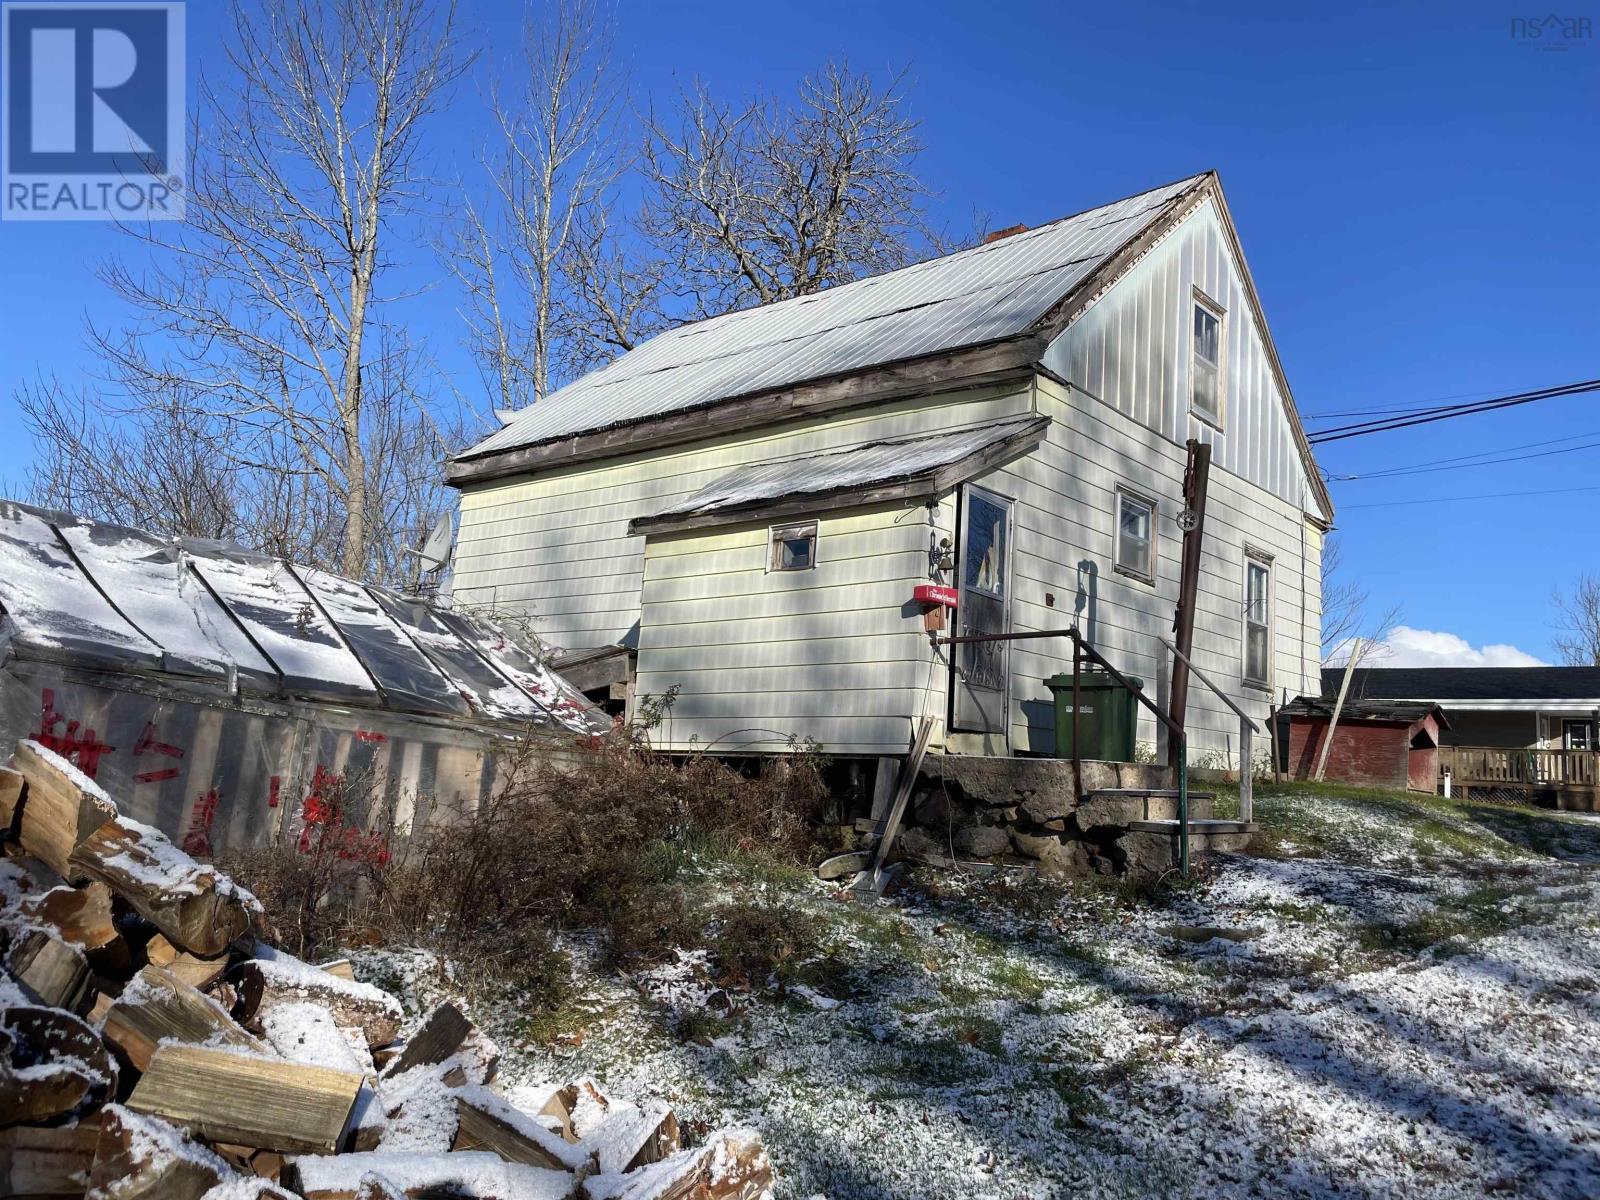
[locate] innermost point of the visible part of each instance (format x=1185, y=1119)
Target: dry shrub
x=755, y=942
x=566, y=841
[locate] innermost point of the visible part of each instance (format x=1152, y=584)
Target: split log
x=733, y=1165
x=249, y=1189
x=467, y=1175
x=137, y=1158
x=52, y=1065
x=632, y=1137
x=52, y=972
x=199, y=973
x=284, y=979
x=342, y=967
x=43, y=1164
x=307, y=1034
x=485, y=1121
x=230, y=1097
x=80, y=915
x=12, y=788
x=61, y=808
x=441, y=1036
x=198, y=909
x=157, y=1006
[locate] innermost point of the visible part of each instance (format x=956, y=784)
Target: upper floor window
x=794, y=547
x=1258, y=621
x=1205, y=369
x=1136, y=536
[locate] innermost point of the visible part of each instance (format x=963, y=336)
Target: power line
x=1462, y=462
x=1479, y=496
x=1339, y=433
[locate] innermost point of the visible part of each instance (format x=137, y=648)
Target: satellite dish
x=435, y=552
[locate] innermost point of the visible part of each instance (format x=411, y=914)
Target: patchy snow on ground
x=1403, y=1003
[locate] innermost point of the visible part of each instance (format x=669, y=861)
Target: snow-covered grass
x=1400, y=1000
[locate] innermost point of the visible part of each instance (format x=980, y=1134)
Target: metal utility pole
x=1195, y=477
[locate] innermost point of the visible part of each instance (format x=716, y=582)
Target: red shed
x=1378, y=743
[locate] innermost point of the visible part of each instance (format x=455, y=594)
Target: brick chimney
x=1004, y=233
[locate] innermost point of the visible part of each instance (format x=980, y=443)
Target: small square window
x=1205, y=367
x=1136, y=536
x=794, y=547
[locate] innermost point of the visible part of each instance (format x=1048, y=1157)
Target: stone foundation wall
x=972, y=807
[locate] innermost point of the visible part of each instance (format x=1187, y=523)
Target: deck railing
x=1510, y=766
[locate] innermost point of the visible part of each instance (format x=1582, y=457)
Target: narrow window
x=1205, y=371
x=1257, y=622
x=1136, y=540
x=794, y=547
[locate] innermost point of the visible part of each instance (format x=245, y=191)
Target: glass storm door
x=982, y=674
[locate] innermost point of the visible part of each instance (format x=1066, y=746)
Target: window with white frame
x=794, y=547
x=1258, y=620
x=1205, y=367
x=1136, y=536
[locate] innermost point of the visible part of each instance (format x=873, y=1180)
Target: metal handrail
x=1247, y=799
x=1082, y=649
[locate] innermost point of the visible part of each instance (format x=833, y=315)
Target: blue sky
x=1415, y=190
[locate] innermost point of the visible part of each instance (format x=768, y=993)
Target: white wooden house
x=750, y=502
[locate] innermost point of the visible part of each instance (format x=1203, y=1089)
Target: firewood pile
x=154, y=1046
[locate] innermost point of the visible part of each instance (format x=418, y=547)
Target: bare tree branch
x=1578, y=639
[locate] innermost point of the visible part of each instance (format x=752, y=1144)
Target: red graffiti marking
x=160, y=776
x=147, y=741
x=371, y=735
x=198, y=840
x=82, y=749
x=273, y=786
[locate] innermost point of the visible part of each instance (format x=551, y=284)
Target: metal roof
x=1452, y=686
x=216, y=617
x=1405, y=712
x=989, y=292
x=846, y=471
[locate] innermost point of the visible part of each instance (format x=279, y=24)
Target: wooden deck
x=1570, y=777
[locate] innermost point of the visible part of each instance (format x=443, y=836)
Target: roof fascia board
x=927, y=485
x=1553, y=707
x=922, y=487
x=1005, y=361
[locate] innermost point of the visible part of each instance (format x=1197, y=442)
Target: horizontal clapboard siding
x=834, y=653
x=556, y=546
x=1066, y=516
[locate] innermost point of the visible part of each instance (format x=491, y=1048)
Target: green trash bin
x=1108, y=720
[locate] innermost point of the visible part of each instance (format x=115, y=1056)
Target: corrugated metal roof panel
x=979, y=295
x=841, y=470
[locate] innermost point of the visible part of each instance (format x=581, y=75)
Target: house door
x=982, y=670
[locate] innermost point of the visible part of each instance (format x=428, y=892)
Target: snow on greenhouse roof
x=105, y=596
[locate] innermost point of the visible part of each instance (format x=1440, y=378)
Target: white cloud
x=1408, y=647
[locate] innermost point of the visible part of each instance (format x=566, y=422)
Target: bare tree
x=260, y=316
x=762, y=202
x=1343, y=600
x=554, y=163
x=160, y=470
x=1578, y=641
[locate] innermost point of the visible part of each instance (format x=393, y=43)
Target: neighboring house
x=1525, y=732
x=1534, y=708
x=1377, y=743
x=752, y=501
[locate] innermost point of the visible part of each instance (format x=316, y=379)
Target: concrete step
x=1196, y=828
